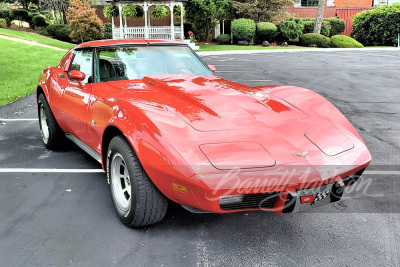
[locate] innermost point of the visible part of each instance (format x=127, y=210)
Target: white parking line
x=382, y=172
x=34, y=170
x=18, y=119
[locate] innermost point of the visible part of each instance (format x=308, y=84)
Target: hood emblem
x=302, y=154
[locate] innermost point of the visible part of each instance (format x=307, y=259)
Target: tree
x=84, y=24
x=320, y=16
x=262, y=10
x=205, y=15
x=56, y=6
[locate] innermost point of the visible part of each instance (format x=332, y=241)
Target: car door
x=76, y=95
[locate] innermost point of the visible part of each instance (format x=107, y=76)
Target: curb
x=325, y=50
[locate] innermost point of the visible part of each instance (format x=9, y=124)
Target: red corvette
x=165, y=127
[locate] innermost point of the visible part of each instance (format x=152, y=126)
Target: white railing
x=155, y=32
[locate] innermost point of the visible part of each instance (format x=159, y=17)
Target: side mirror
x=212, y=68
x=77, y=75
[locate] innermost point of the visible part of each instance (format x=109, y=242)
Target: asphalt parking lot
x=65, y=217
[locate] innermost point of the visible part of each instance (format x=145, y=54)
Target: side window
x=83, y=62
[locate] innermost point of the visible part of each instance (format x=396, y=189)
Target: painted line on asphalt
x=19, y=119
x=38, y=170
x=257, y=80
x=313, y=50
x=382, y=172
x=35, y=170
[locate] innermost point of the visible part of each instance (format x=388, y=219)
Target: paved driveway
x=64, y=216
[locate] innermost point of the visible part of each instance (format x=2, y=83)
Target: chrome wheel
x=120, y=182
x=44, y=127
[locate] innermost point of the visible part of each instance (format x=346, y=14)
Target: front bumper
x=276, y=191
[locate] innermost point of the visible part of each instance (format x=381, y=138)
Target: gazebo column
x=112, y=27
x=171, y=11
x=182, y=33
x=121, y=29
x=146, y=29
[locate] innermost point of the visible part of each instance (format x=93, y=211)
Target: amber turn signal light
x=179, y=187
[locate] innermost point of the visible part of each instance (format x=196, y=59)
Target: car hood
x=212, y=103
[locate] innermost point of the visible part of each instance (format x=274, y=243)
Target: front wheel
x=136, y=199
x=52, y=134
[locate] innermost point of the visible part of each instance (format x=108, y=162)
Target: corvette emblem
x=302, y=154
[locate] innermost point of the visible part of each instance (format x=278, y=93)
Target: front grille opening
x=250, y=201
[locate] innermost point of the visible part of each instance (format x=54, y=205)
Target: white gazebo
x=147, y=31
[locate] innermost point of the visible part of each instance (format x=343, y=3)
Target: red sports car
x=164, y=127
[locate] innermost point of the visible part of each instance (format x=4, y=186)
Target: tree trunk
x=320, y=16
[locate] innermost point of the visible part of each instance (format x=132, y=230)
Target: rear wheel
x=136, y=199
x=52, y=134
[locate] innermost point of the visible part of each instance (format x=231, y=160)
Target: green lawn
x=20, y=67
x=36, y=38
x=241, y=47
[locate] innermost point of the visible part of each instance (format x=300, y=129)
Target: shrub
x=344, y=41
x=29, y=19
x=290, y=29
x=59, y=31
x=224, y=39
x=187, y=27
x=319, y=40
x=19, y=14
x=4, y=14
x=266, y=31
x=379, y=26
x=3, y=23
x=41, y=31
x=310, y=24
x=107, y=31
x=39, y=21
x=337, y=26
x=8, y=21
x=243, y=29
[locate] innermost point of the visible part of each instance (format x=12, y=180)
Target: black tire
x=145, y=204
x=53, y=137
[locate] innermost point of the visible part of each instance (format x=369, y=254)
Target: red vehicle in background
x=164, y=127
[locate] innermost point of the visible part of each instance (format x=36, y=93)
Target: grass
x=241, y=47
x=21, y=65
x=36, y=38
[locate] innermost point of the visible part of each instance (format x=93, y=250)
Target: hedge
x=310, y=24
x=107, y=31
x=344, y=41
x=59, y=31
x=379, y=26
x=243, y=29
x=319, y=40
x=224, y=39
x=290, y=29
x=5, y=14
x=266, y=31
x=19, y=14
x=39, y=21
x=337, y=25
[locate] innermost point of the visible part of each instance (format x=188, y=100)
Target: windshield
x=129, y=62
